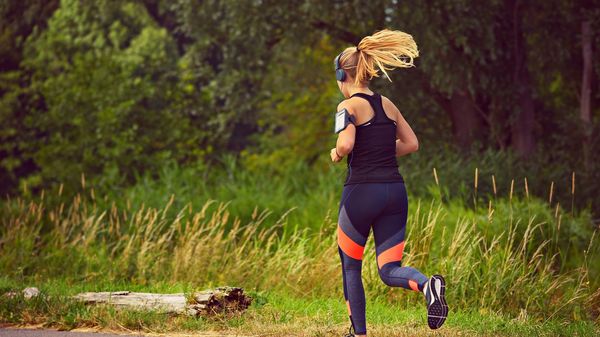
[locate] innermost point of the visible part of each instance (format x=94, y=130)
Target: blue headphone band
x=340, y=74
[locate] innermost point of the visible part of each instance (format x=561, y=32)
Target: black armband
x=342, y=120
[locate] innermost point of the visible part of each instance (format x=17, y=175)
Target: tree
x=105, y=77
x=19, y=18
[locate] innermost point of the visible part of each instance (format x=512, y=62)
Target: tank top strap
x=377, y=105
x=363, y=95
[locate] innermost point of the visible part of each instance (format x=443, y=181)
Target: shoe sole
x=438, y=310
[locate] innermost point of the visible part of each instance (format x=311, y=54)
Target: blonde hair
x=385, y=50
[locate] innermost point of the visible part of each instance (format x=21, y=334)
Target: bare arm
x=406, y=141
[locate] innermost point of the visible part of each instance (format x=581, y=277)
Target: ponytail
x=385, y=50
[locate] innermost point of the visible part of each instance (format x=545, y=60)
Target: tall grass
x=313, y=190
x=506, y=257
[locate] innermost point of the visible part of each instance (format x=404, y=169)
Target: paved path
x=16, y=332
x=53, y=333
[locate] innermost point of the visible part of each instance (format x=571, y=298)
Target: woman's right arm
x=406, y=141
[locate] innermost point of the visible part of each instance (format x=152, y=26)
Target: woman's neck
x=355, y=90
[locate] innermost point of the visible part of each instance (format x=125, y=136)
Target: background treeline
x=116, y=89
x=149, y=141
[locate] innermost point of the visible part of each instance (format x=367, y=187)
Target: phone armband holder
x=342, y=120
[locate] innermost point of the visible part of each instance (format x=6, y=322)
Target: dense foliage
x=114, y=89
x=121, y=123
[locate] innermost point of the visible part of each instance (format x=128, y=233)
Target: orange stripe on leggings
x=349, y=311
x=413, y=285
x=348, y=246
x=391, y=255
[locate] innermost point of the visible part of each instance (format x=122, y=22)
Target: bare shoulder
x=390, y=107
x=343, y=105
x=387, y=103
x=349, y=104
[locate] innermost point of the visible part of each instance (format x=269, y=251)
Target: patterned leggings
x=383, y=207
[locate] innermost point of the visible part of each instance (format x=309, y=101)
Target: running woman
x=374, y=195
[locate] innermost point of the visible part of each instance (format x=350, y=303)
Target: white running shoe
x=437, y=308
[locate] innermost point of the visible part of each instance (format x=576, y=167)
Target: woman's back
x=373, y=158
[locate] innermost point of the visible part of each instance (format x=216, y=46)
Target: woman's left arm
x=345, y=140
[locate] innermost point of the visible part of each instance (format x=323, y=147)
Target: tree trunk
x=466, y=123
x=523, y=140
x=522, y=125
x=586, y=90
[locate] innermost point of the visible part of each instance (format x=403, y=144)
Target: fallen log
x=28, y=293
x=213, y=301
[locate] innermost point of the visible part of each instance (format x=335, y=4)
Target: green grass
x=528, y=266
x=517, y=267
x=272, y=313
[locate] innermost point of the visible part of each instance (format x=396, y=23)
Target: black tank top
x=373, y=158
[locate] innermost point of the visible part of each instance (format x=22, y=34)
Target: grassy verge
x=517, y=264
x=513, y=256
x=272, y=314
